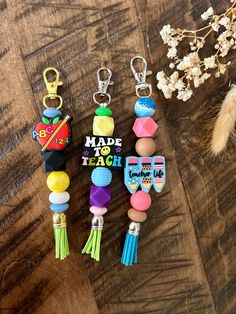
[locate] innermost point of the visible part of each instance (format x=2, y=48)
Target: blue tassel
x=130, y=250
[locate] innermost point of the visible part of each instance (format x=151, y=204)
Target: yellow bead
x=58, y=181
x=103, y=125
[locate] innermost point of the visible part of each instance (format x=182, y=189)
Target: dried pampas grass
x=225, y=122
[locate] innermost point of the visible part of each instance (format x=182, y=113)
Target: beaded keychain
x=145, y=171
x=53, y=133
x=102, y=152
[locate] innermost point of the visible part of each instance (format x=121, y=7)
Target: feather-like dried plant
x=225, y=122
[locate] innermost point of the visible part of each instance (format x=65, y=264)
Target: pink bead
x=145, y=127
x=140, y=201
x=98, y=210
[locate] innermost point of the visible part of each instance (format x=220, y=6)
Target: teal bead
x=59, y=208
x=103, y=111
x=145, y=107
x=101, y=176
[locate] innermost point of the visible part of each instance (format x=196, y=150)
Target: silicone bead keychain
x=141, y=173
x=102, y=152
x=53, y=133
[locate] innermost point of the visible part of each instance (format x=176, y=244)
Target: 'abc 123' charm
x=53, y=132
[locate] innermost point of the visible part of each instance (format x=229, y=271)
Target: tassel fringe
x=93, y=243
x=61, y=239
x=130, y=250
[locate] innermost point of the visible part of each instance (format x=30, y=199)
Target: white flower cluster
x=192, y=71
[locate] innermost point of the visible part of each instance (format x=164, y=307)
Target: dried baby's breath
x=191, y=71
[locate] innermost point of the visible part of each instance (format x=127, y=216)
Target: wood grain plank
x=208, y=183
x=31, y=279
x=177, y=264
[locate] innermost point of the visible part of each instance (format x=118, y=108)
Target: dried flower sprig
x=192, y=71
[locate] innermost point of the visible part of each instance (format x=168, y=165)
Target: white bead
x=59, y=198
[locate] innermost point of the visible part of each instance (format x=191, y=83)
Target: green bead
x=103, y=111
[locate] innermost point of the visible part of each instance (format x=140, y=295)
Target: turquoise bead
x=59, y=208
x=145, y=107
x=52, y=112
x=101, y=176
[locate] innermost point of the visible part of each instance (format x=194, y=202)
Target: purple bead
x=100, y=196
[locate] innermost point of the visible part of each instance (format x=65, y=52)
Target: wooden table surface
x=187, y=257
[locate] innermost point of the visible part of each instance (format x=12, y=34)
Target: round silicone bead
x=51, y=112
x=98, y=210
x=59, y=198
x=145, y=107
x=140, y=201
x=101, y=176
x=103, y=111
x=58, y=181
x=145, y=146
x=136, y=215
x=59, y=208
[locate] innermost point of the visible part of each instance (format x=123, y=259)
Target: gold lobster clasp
x=52, y=86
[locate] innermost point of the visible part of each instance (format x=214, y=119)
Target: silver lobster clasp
x=140, y=76
x=104, y=80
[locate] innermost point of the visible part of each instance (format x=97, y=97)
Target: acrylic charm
x=144, y=173
x=102, y=151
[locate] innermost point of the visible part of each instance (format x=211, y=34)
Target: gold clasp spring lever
x=140, y=76
x=52, y=86
x=103, y=86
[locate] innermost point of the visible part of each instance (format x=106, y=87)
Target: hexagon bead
x=145, y=127
x=140, y=201
x=145, y=107
x=101, y=176
x=136, y=215
x=145, y=146
x=59, y=208
x=58, y=181
x=103, y=111
x=103, y=125
x=98, y=210
x=59, y=198
x=100, y=196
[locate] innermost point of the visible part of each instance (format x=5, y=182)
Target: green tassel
x=61, y=243
x=61, y=239
x=93, y=243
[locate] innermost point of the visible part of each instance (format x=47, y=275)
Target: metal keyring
x=148, y=86
x=54, y=97
x=102, y=104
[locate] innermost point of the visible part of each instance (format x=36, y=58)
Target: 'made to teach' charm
x=102, y=151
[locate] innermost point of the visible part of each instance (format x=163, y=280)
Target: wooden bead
x=145, y=146
x=136, y=216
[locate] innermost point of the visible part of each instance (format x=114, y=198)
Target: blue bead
x=101, y=176
x=145, y=107
x=59, y=208
x=51, y=112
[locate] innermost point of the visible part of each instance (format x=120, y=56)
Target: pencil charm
x=141, y=173
x=102, y=152
x=53, y=133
